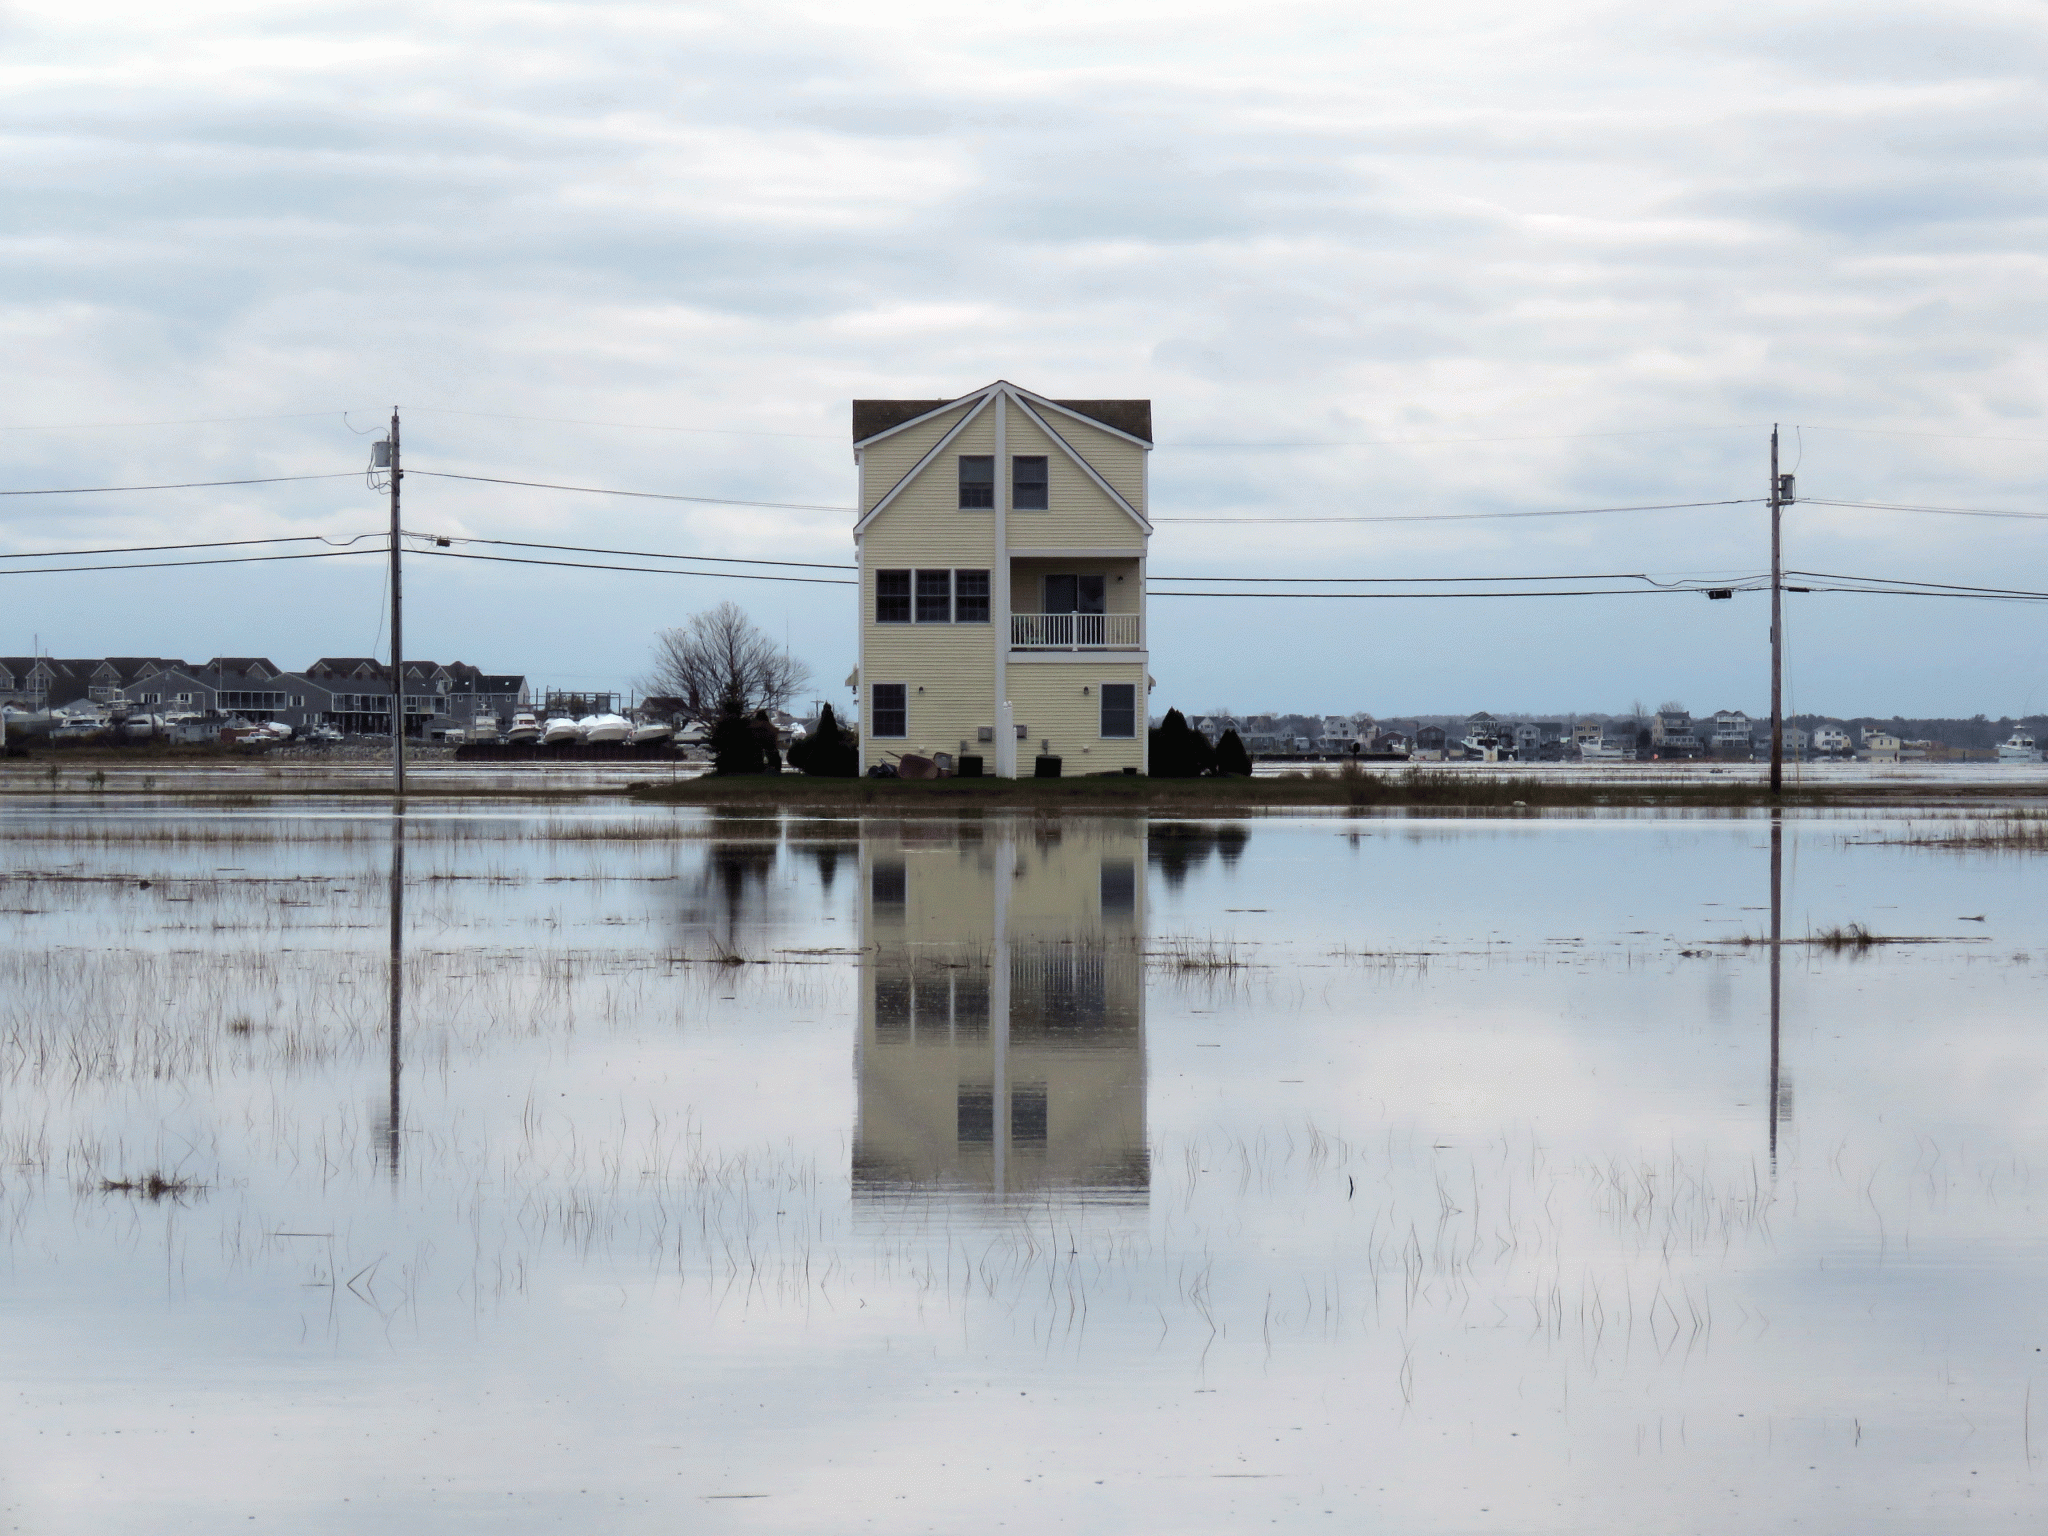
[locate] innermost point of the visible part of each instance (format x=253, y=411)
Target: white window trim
x=869, y=712
x=1137, y=709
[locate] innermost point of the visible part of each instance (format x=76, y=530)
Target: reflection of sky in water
x=1409, y=1170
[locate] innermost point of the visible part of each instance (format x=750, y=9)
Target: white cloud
x=1526, y=227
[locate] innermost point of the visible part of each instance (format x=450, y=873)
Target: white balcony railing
x=1077, y=631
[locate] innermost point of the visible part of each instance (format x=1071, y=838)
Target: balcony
x=1077, y=632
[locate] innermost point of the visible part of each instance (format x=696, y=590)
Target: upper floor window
x=1028, y=484
x=892, y=597
x=934, y=597
x=977, y=481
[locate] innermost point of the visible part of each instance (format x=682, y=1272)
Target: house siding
x=884, y=463
x=1081, y=516
x=1051, y=707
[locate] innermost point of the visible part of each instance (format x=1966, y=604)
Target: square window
x=977, y=482
x=1028, y=487
x=934, y=597
x=892, y=597
x=1120, y=709
x=890, y=709
x=970, y=597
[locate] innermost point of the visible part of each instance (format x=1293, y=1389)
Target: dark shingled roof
x=873, y=416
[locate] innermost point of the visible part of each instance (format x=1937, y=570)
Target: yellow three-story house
x=1002, y=543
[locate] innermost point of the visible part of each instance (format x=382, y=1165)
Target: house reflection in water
x=1002, y=1023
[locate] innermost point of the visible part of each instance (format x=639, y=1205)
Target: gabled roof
x=1036, y=408
x=346, y=666
x=875, y=418
x=247, y=666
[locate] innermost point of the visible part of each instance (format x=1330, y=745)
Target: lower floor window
x=891, y=710
x=1119, y=709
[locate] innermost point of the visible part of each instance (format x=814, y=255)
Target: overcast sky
x=1479, y=256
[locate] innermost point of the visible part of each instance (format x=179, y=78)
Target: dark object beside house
x=1176, y=750
x=970, y=768
x=828, y=752
x=1045, y=768
x=1231, y=757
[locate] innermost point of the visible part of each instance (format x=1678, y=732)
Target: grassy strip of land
x=1344, y=788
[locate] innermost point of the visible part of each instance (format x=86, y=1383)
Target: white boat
x=601, y=729
x=653, y=731
x=560, y=732
x=2019, y=748
x=483, y=728
x=142, y=725
x=1601, y=752
x=525, y=728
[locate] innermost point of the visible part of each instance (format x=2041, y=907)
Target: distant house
x=1672, y=734
x=1830, y=740
x=1879, y=747
x=1731, y=732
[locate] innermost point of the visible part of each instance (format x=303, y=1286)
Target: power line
x=182, y=485
x=137, y=549
x=599, y=490
x=646, y=554
x=647, y=570
x=168, y=565
x=1409, y=596
x=1459, y=517
x=1898, y=506
x=190, y=421
x=1423, y=442
x=631, y=426
x=1687, y=584
x=1945, y=586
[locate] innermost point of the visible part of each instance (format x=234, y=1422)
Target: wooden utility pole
x=398, y=628
x=1777, y=616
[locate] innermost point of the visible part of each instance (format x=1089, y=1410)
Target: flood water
x=599, y=1168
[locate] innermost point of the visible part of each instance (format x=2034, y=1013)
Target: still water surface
x=1095, y=1174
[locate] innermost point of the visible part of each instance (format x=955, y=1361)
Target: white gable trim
x=1022, y=395
x=982, y=395
x=922, y=464
x=1086, y=468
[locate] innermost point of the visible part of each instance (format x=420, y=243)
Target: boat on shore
x=524, y=730
x=483, y=727
x=653, y=731
x=2019, y=747
x=560, y=732
x=600, y=730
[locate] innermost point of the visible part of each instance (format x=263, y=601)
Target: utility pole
x=1777, y=611
x=398, y=624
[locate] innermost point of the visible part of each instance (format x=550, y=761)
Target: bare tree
x=717, y=651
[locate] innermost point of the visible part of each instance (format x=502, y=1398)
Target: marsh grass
x=154, y=1185
x=2016, y=831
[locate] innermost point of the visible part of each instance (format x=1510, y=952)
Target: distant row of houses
x=1669, y=733
x=351, y=694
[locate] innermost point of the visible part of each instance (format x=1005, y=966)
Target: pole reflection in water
x=1002, y=1029
x=392, y=1111
x=1781, y=1096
